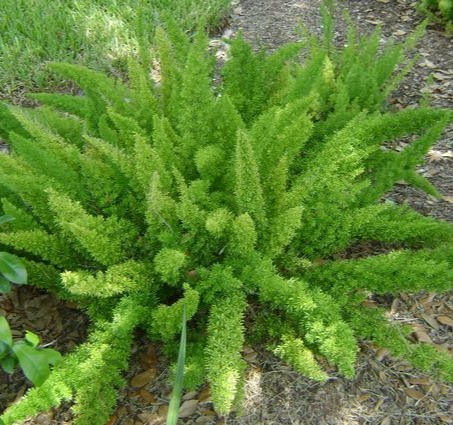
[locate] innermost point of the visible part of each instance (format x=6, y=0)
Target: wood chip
x=162, y=411
x=147, y=396
x=149, y=418
x=445, y=320
x=188, y=408
x=143, y=378
x=190, y=395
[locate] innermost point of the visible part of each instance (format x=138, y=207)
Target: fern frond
x=106, y=240
x=223, y=349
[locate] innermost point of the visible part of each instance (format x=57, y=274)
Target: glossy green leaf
x=5, y=332
x=5, y=285
x=33, y=363
x=32, y=338
x=12, y=268
x=52, y=356
x=8, y=364
x=3, y=349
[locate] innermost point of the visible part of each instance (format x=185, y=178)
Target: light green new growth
x=137, y=200
x=295, y=352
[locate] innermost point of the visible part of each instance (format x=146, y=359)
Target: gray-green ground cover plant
x=139, y=201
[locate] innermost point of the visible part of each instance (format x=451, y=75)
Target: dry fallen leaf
x=204, y=395
x=428, y=64
x=162, y=410
x=250, y=357
x=143, y=378
x=373, y=22
x=248, y=350
x=446, y=419
x=422, y=336
x=436, y=155
x=427, y=299
x=381, y=353
x=370, y=304
x=149, y=418
x=149, y=358
x=188, y=408
x=363, y=397
x=419, y=381
x=378, y=405
x=417, y=395
x=449, y=199
x=431, y=321
x=147, y=396
x=445, y=320
x=439, y=76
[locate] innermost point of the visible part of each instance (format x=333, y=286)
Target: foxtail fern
x=144, y=199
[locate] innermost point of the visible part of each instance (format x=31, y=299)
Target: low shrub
x=442, y=7
x=227, y=198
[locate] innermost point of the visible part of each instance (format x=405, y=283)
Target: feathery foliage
x=180, y=193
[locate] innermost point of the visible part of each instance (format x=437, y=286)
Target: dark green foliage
x=173, y=192
x=444, y=7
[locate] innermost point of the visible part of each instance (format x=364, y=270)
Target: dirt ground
x=385, y=391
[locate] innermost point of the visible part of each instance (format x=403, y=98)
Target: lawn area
x=97, y=33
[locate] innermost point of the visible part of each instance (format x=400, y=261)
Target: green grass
x=97, y=33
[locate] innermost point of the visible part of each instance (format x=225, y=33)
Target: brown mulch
x=386, y=390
